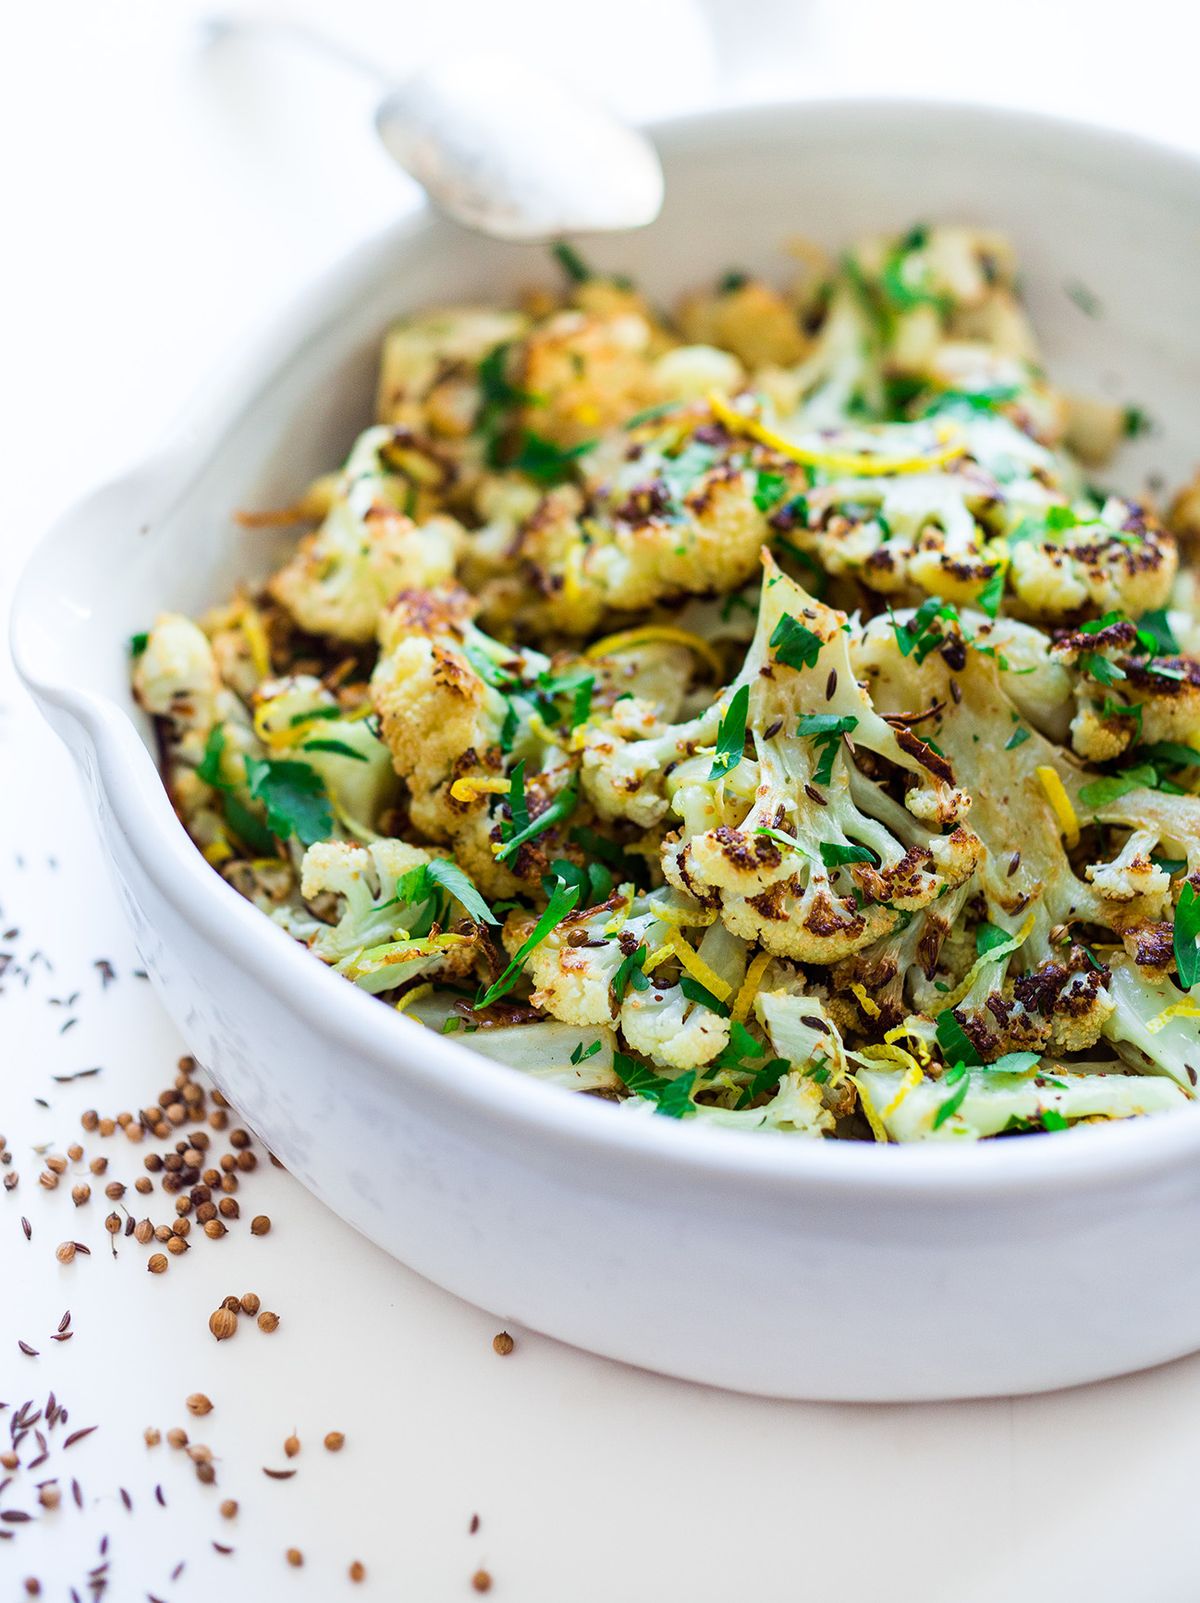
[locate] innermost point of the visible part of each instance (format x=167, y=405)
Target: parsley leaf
x=562, y=900
x=517, y=807
x=833, y=855
x=1052, y=1119
x=295, y=798
x=1157, y=625
x=338, y=747
x=794, y=645
x=208, y=769
x=918, y=636
x=825, y=730
x=672, y=1098
x=702, y=996
x=988, y=937
x=767, y=1077
x=1018, y=738
x=1187, y=928
x=251, y=831
x=561, y=807
x=769, y=490
x=1103, y=791
x=441, y=871
x=594, y=880
x=543, y=461
x=1014, y=1063
x=959, y=1078
x=788, y=842
x=990, y=597
x=956, y=1044
x=629, y=972
x=731, y=735
x=580, y=1054
x=571, y=262
x=138, y=644
x=1100, y=669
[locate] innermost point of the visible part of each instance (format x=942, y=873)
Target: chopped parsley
x=671, y=1098
x=769, y=490
x=731, y=735
x=789, y=842
x=571, y=262
x=560, y=808
x=960, y=1080
x=1156, y=625
x=1187, y=928
x=562, y=900
x=918, y=637
x=834, y=855
x=1052, y=1119
x=1087, y=302
x=581, y=1053
x=702, y=996
x=732, y=281
x=138, y=644
x=956, y=1044
x=1102, y=791
x=294, y=796
x=629, y=972
x=988, y=937
x=1018, y=738
x=428, y=881
x=825, y=730
x=339, y=748
x=990, y=597
x=1134, y=421
x=594, y=880
x=543, y=461
x=794, y=645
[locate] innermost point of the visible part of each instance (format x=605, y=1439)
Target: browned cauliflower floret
x=429, y=375
x=748, y=317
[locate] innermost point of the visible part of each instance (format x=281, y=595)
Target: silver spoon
x=501, y=148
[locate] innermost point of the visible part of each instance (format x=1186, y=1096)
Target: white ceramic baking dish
x=764, y=1263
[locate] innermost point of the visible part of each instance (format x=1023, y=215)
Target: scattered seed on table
x=279, y=1474
x=481, y=1581
x=358, y=1571
x=156, y=1263
x=223, y=1323
x=78, y=1435
x=30, y=1352
x=198, y=1403
x=260, y=1224
x=151, y=1436
x=27, y=1228
x=205, y=1473
x=80, y=1194
x=268, y=1321
x=65, y=1251
x=295, y=1557
x=228, y=1509
x=292, y=1446
x=503, y=1344
x=249, y=1302
x=177, y=1437
x=473, y=1527
x=335, y=1441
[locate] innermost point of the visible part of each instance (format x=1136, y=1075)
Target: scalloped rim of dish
x=580, y=1126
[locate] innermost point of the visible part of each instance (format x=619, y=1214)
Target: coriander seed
x=151, y=1436
x=295, y=1557
x=198, y=1403
x=358, y=1571
x=481, y=1581
x=156, y=1263
x=292, y=1446
x=177, y=1437
x=223, y=1324
x=503, y=1344
x=65, y=1251
x=228, y=1508
x=260, y=1224
x=249, y=1302
x=335, y=1441
x=268, y=1321
x=80, y=1194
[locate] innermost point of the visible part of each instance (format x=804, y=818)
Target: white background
x=157, y=205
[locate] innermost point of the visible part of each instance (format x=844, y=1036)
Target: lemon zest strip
x=469, y=788
x=912, y=1078
x=698, y=968
x=890, y=1054
x=1056, y=795
x=750, y=985
x=1014, y=942
x=869, y=1007
x=255, y=637
x=417, y=994
x=1187, y=1009
x=653, y=634
x=878, y=1130
x=860, y=464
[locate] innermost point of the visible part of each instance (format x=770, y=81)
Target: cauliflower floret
x=460, y=712
x=429, y=373
x=749, y=318
x=1129, y=696
x=671, y=507
x=669, y=1026
x=1154, y=1027
x=391, y=918
x=820, y=861
x=996, y=1102
x=298, y=717
x=579, y=374
x=575, y=969
x=175, y=676
x=366, y=550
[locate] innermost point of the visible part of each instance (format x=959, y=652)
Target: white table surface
x=155, y=210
